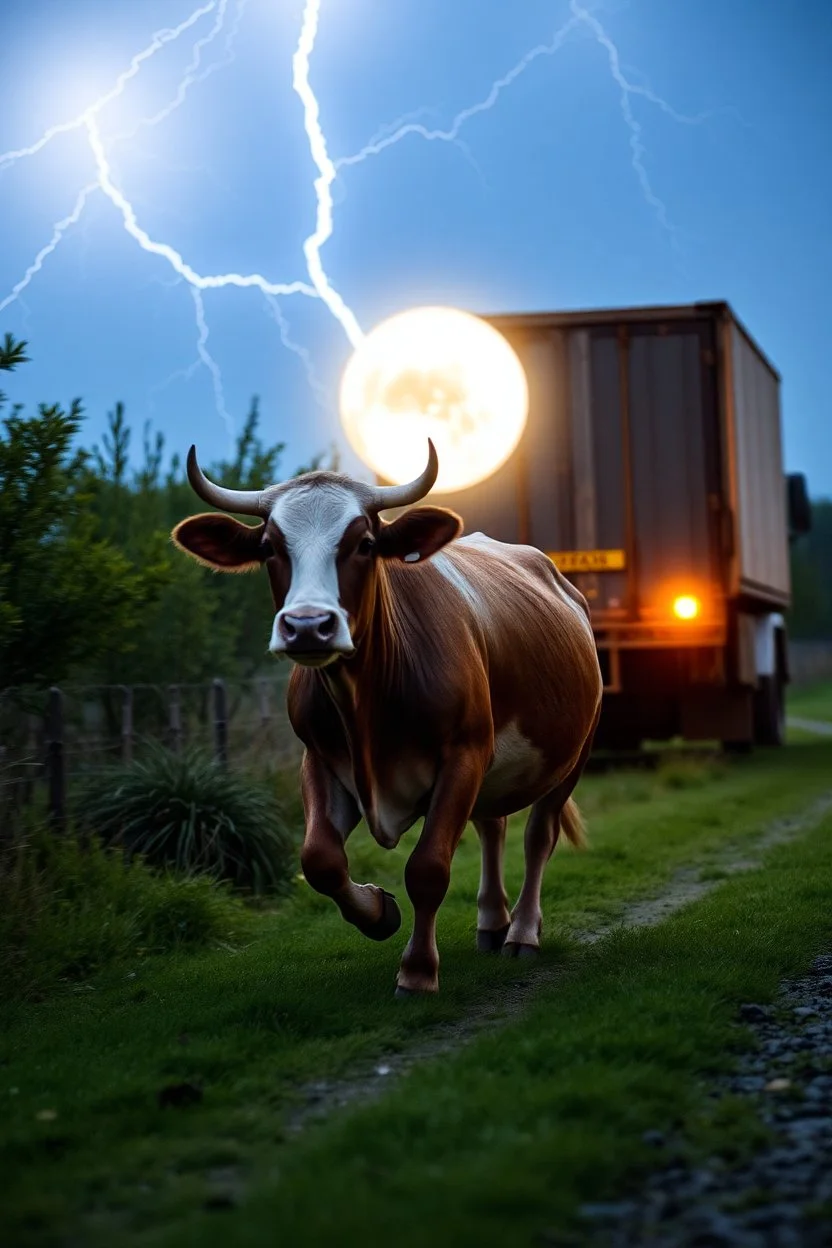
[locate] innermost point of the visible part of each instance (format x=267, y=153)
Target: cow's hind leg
x=542, y=827
x=493, y=916
x=331, y=814
x=551, y=815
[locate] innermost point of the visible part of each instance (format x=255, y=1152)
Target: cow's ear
x=418, y=534
x=221, y=542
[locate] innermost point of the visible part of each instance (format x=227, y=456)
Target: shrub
x=689, y=773
x=186, y=812
x=67, y=910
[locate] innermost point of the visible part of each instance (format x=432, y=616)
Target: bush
x=67, y=910
x=689, y=773
x=185, y=812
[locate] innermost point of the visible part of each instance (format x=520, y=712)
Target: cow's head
x=320, y=536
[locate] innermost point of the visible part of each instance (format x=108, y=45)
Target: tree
x=91, y=586
x=811, y=613
x=201, y=624
x=67, y=594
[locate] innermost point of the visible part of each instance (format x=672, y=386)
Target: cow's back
x=540, y=650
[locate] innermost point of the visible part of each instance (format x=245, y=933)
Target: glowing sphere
x=434, y=373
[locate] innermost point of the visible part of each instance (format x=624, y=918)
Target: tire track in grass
x=318, y=1100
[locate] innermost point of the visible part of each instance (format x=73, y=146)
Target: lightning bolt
x=394, y=132
x=326, y=176
x=191, y=75
x=315, y=385
x=157, y=42
x=198, y=282
x=208, y=360
x=327, y=170
x=58, y=231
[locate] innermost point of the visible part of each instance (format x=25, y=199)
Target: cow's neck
x=354, y=684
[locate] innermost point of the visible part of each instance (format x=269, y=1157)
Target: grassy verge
x=812, y=702
x=502, y=1143
x=68, y=911
x=308, y=997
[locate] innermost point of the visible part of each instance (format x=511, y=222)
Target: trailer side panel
x=759, y=488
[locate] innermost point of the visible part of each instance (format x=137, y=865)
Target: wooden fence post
x=127, y=724
x=220, y=723
x=175, y=718
x=56, y=759
x=263, y=699
x=32, y=753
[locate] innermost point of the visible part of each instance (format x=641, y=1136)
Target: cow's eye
x=365, y=546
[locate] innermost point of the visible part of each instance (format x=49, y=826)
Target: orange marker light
x=686, y=607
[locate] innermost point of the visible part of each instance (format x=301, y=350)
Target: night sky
x=538, y=206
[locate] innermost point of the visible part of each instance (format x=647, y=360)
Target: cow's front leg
x=428, y=871
x=331, y=814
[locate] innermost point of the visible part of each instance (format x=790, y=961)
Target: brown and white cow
x=436, y=676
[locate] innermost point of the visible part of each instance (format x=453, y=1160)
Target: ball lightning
x=434, y=373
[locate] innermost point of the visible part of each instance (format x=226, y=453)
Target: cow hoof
x=390, y=921
x=491, y=942
x=414, y=994
x=513, y=950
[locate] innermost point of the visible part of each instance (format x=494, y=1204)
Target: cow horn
x=246, y=502
x=385, y=496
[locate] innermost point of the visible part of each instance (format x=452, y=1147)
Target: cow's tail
x=572, y=824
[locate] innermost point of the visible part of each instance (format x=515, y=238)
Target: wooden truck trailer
x=651, y=472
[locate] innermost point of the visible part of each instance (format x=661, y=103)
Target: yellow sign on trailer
x=588, y=560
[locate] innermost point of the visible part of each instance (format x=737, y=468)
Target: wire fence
x=51, y=740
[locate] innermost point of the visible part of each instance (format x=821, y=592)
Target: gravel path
x=783, y=1197
x=368, y=1082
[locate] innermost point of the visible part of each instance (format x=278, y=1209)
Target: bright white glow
x=686, y=607
x=434, y=373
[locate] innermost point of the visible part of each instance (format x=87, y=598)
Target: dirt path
x=369, y=1082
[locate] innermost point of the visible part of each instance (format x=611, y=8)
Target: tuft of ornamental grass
x=188, y=813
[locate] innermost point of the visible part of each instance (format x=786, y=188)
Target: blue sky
x=541, y=209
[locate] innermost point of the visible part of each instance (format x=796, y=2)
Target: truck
x=650, y=471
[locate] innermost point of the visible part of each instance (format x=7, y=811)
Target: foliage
x=186, y=812
x=90, y=585
x=68, y=910
x=67, y=593
x=811, y=613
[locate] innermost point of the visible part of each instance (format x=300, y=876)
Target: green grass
x=811, y=702
x=67, y=911
x=517, y=1127
x=501, y=1143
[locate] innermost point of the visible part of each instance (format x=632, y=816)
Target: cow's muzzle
x=308, y=632
x=310, y=637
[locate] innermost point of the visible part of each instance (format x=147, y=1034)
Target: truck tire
x=770, y=711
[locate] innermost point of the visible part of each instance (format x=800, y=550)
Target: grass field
x=496, y=1143
x=813, y=702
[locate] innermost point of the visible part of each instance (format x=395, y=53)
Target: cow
x=435, y=676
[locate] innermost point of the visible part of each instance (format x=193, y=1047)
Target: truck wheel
x=770, y=711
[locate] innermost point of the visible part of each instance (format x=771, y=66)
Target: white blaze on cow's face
x=312, y=626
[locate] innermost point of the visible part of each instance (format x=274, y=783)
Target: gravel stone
x=781, y=1197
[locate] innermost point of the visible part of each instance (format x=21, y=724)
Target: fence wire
x=50, y=741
